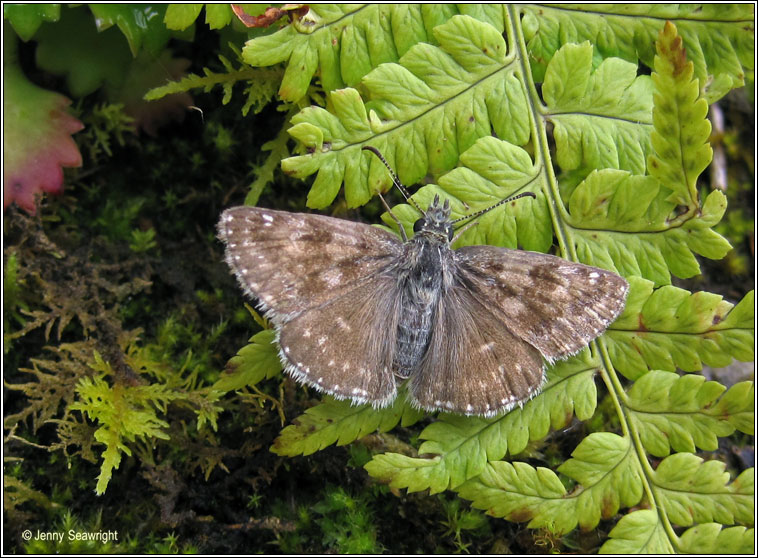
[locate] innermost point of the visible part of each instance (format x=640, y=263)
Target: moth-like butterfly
x=359, y=310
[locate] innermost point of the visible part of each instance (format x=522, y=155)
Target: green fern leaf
x=669, y=327
x=716, y=37
x=640, y=532
x=618, y=223
x=603, y=464
x=493, y=170
x=608, y=470
x=519, y=492
x=423, y=113
x=253, y=363
x=344, y=42
x=461, y=446
x=737, y=407
x=602, y=118
x=680, y=137
x=341, y=422
x=712, y=539
x=691, y=490
x=676, y=412
x=674, y=223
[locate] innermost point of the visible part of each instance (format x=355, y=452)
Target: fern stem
x=539, y=133
x=617, y=394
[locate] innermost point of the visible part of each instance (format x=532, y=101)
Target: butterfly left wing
x=328, y=287
x=555, y=305
x=293, y=261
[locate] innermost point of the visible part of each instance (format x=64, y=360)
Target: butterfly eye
x=450, y=232
x=418, y=225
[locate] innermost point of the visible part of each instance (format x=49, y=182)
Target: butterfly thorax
x=423, y=273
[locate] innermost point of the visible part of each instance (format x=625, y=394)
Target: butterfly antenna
x=395, y=179
x=490, y=208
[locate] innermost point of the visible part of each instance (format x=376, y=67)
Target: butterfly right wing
x=474, y=365
x=556, y=305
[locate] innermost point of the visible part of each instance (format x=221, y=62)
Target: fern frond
x=340, y=422
x=669, y=328
x=260, y=84
x=691, y=490
x=424, y=111
x=712, y=538
x=717, y=38
x=602, y=116
x=251, y=364
x=679, y=412
x=342, y=43
x=603, y=464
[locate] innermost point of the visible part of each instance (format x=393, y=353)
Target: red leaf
x=37, y=131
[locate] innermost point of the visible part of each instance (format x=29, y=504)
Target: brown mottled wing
x=346, y=345
x=295, y=261
x=320, y=279
x=555, y=305
x=474, y=365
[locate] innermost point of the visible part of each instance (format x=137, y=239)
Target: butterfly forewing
x=555, y=305
x=294, y=261
x=474, y=365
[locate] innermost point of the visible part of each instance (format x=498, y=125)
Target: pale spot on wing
x=343, y=324
x=307, y=333
x=331, y=363
x=332, y=277
x=321, y=340
x=486, y=347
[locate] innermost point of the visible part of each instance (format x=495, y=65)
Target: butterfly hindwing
x=474, y=365
x=345, y=346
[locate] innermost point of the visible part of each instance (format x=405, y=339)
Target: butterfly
x=359, y=310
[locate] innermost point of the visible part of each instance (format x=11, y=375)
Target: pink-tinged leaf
x=37, y=140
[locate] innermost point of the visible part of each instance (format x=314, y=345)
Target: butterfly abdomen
x=421, y=285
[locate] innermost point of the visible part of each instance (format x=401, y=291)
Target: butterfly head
x=436, y=221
